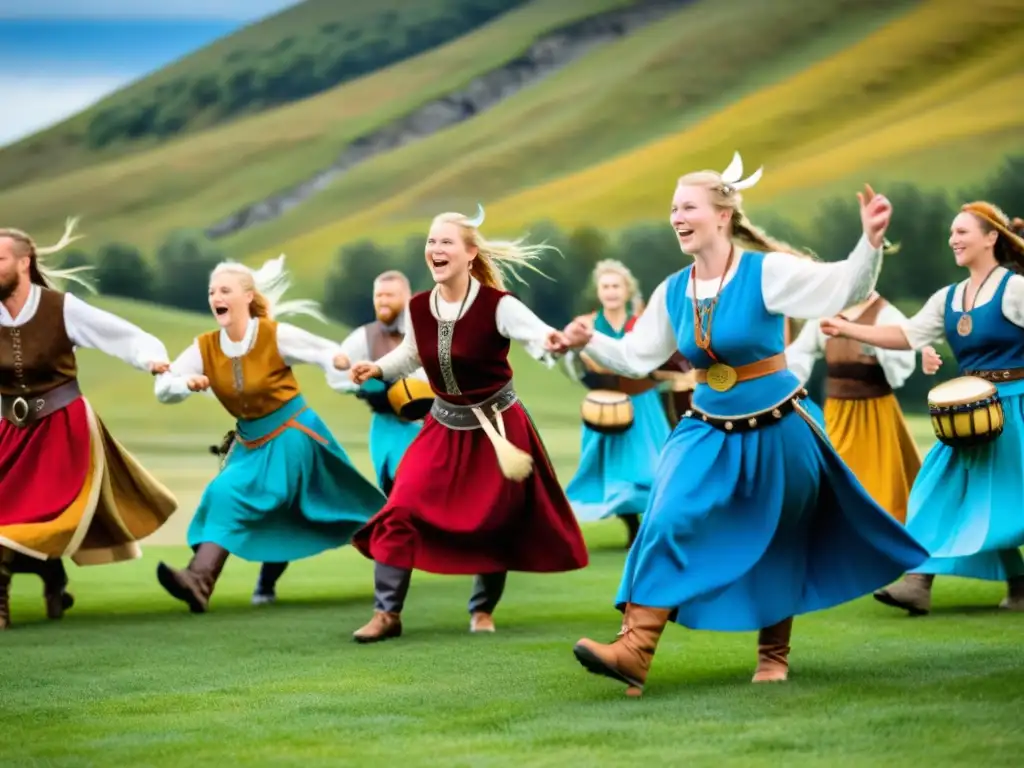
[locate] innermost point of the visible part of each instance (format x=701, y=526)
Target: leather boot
x=5, y=592
x=913, y=594
x=1014, y=600
x=55, y=594
x=481, y=622
x=194, y=584
x=628, y=658
x=773, y=652
x=383, y=626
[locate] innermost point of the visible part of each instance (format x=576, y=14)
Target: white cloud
x=33, y=103
x=234, y=10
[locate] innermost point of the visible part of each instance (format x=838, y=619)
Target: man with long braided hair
x=68, y=488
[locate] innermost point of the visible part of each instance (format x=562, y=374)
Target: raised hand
x=875, y=214
x=198, y=384
x=157, y=368
x=930, y=361
x=363, y=372
x=341, y=361
x=833, y=326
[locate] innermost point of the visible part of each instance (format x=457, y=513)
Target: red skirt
x=44, y=467
x=452, y=511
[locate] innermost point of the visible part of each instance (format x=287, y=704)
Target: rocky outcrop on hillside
x=547, y=55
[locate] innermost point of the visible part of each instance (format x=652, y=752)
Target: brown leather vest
x=850, y=374
x=255, y=384
x=380, y=341
x=38, y=356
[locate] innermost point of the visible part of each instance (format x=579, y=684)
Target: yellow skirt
x=118, y=504
x=873, y=438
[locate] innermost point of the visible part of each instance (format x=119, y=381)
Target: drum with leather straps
x=966, y=411
x=410, y=399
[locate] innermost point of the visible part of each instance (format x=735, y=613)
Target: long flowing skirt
x=290, y=498
x=747, y=529
x=873, y=438
x=967, y=506
x=69, y=489
x=390, y=437
x=616, y=472
x=451, y=510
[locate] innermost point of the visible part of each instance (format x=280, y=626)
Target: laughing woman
x=287, y=489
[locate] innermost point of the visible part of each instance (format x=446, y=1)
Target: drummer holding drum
x=624, y=422
x=967, y=504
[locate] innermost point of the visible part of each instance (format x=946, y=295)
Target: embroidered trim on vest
x=445, y=332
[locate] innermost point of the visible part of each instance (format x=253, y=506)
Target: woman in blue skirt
x=616, y=471
x=967, y=504
x=287, y=490
x=753, y=517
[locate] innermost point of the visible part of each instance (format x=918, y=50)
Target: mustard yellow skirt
x=873, y=438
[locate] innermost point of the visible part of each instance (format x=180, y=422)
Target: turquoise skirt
x=616, y=472
x=290, y=498
x=746, y=529
x=389, y=439
x=967, y=504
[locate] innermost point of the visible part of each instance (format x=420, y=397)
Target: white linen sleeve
x=94, y=328
x=928, y=326
x=644, y=349
x=518, y=322
x=805, y=350
x=898, y=364
x=172, y=387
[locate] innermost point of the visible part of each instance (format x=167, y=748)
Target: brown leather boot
x=773, y=652
x=382, y=626
x=1014, y=600
x=913, y=593
x=5, y=592
x=481, y=622
x=194, y=584
x=628, y=658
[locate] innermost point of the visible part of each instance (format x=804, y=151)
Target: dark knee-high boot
x=390, y=587
x=487, y=591
x=194, y=584
x=773, y=652
x=55, y=594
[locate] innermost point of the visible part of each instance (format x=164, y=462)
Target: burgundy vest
x=479, y=354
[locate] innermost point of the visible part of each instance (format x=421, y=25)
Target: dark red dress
x=451, y=510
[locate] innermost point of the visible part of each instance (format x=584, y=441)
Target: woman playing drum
x=753, y=517
x=477, y=493
x=967, y=505
x=616, y=470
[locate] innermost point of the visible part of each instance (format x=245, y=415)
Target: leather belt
x=462, y=417
x=21, y=411
x=749, y=421
x=721, y=377
x=998, y=376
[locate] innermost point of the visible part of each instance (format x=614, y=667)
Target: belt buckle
x=722, y=377
x=20, y=411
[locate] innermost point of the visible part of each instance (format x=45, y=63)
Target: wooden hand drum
x=410, y=398
x=607, y=412
x=966, y=411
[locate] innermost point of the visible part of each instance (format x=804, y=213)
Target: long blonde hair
x=39, y=273
x=724, y=196
x=616, y=267
x=269, y=284
x=495, y=259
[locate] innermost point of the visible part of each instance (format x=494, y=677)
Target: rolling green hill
x=825, y=95
x=301, y=51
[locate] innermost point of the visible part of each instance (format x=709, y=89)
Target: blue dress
x=291, y=498
x=616, y=472
x=390, y=436
x=967, y=504
x=746, y=529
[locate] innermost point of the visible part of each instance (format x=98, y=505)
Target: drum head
x=606, y=397
x=961, y=391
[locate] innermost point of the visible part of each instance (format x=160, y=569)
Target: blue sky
x=59, y=56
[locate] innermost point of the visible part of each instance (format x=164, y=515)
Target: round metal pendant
x=721, y=377
x=964, y=325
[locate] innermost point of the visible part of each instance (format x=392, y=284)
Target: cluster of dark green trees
x=920, y=226
x=298, y=65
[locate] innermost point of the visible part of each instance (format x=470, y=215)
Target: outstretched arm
x=297, y=346
x=517, y=321
x=898, y=364
x=354, y=348
x=94, y=328
x=924, y=328
x=173, y=386
x=805, y=351
x=404, y=359
x=644, y=349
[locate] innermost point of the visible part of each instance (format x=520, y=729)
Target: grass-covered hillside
x=594, y=131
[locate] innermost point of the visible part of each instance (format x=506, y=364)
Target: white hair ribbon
x=477, y=220
x=733, y=175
